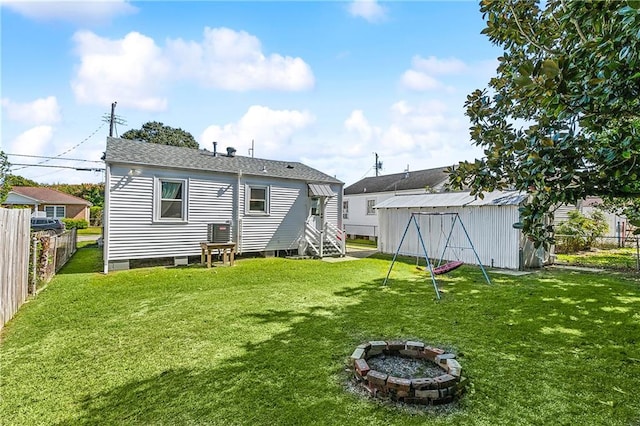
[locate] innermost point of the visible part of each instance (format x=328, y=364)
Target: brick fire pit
x=440, y=389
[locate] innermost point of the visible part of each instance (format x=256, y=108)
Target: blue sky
x=325, y=83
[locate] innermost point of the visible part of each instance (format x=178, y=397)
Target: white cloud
x=419, y=81
x=233, y=60
x=41, y=111
x=130, y=71
x=134, y=70
x=369, y=10
x=433, y=65
x=424, y=135
x=272, y=130
x=357, y=122
x=32, y=142
x=79, y=12
x=422, y=75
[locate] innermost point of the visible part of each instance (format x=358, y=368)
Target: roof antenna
x=252, y=149
x=406, y=172
x=215, y=148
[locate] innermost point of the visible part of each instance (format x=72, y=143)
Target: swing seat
x=447, y=267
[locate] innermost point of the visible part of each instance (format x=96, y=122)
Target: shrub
x=95, y=215
x=75, y=223
x=580, y=232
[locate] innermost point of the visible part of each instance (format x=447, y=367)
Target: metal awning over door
x=320, y=190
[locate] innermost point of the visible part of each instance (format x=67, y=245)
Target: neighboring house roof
x=419, y=179
x=43, y=195
x=132, y=152
x=453, y=199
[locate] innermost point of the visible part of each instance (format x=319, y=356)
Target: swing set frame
x=456, y=218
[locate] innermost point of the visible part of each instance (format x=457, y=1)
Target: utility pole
x=112, y=118
x=377, y=165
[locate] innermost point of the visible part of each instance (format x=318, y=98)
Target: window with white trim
x=258, y=199
x=370, y=204
x=171, y=199
x=56, y=212
x=345, y=209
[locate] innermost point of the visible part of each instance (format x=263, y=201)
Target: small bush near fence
x=52, y=252
x=580, y=232
x=75, y=223
x=95, y=215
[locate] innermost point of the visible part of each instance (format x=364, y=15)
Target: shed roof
x=453, y=199
x=125, y=151
x=419, y=179
x=44, y=195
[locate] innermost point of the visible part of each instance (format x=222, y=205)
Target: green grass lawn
x=91, y=230
x=266, y=343
x=618, y=258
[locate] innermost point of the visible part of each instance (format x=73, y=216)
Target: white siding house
x=160, y=200
x=361, y=219
x=489, y=223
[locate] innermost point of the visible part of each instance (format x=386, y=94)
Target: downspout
x=238, y=220
x=322, y=225
x=105, y=218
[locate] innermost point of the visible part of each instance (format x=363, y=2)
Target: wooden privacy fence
x=14, y=261
x=27, y=260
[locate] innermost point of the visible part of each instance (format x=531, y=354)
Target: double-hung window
x=345, y=209
x=370, y=209
x=55, y=212
x=257, y=199
x=171, y=200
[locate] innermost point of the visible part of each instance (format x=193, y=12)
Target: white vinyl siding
x=283, y=227
x=56, y=212
x=133, y=232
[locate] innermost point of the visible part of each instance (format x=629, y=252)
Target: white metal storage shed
x=489, y=223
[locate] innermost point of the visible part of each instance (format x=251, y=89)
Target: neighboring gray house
x=360, y=219
x=489, y=223
x=159, y=201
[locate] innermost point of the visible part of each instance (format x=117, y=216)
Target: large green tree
x=156, y=132
x=4, y=173
x=92, y=192
x=17, y=180
x=560, y=120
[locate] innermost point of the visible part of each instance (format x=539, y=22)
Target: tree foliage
x=4, y=172
x=560, y=118
x=156, y=132
x=580, y=232
x=92, y=192
x=17, y=180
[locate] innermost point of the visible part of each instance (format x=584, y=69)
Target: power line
x=55, y=158
x=84, y=169
x=66, y=152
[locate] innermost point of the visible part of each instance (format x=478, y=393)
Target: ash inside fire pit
x=407, y=371
x=405, y=368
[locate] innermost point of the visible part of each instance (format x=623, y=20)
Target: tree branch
x=525, y=35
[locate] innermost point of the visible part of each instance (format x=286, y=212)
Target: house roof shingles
x=48, y=195
x=125, y=151
x=419, y=179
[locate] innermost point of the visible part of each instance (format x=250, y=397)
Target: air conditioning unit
x=218, y=232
